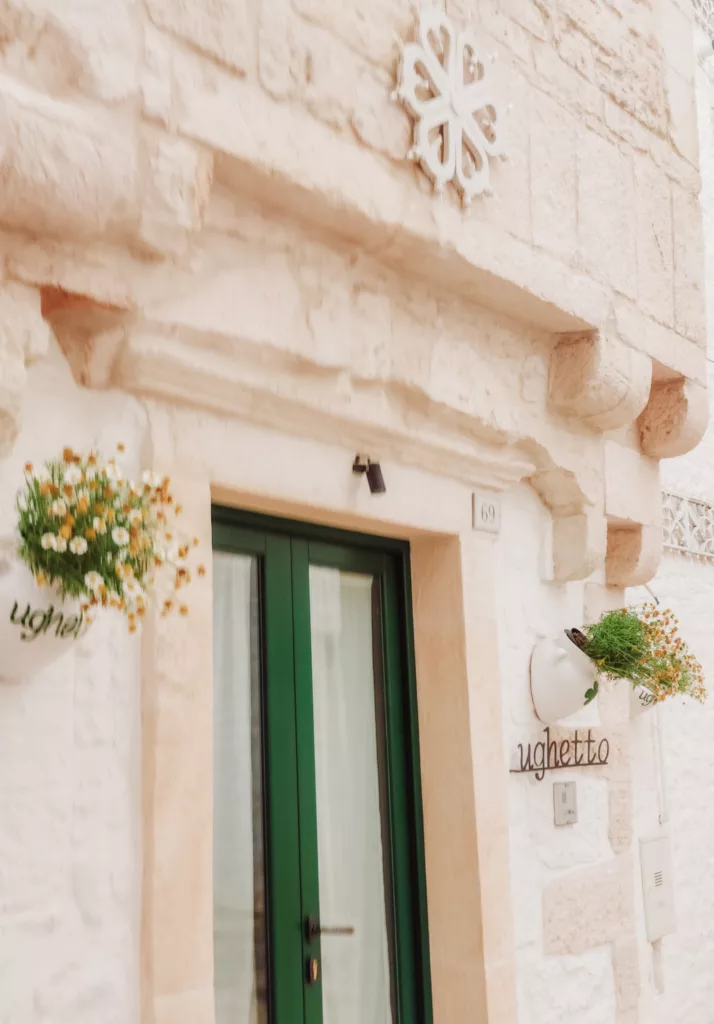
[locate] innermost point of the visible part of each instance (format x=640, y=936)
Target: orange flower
x=83, y=504
x=46, y=490
x=121, y=447
x=68, y=455
x=65, y=531
x=110, y=515
x=68, y=491
x=90, y=534
x=201, y=570
x=28, y=467
x=183, y=609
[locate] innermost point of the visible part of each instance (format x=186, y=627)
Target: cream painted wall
x=70, y=837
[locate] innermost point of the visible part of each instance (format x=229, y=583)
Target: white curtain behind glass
x=235, y=733
x=355, y=969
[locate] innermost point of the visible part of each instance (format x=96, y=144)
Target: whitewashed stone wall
x=212, y=206
x=70, y=840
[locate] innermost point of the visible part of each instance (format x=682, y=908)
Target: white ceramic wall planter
x=560, y=677
x=641, y=700
x=36, y=625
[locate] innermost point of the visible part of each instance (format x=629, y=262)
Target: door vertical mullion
x=307, y=786
x=283, y=846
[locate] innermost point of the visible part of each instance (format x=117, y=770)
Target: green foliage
x=645, y=648
x=618, y=644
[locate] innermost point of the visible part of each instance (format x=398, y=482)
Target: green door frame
x=285, y=550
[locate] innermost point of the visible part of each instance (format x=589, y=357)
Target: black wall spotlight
x=363, y=464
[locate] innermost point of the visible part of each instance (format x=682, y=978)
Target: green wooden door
x=319, y=891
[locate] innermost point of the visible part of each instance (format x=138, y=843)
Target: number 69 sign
x=486, y=513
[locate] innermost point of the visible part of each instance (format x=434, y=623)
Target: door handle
x=313, y=928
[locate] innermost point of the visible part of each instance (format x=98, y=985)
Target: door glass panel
x=352, y=809
x=239, y=910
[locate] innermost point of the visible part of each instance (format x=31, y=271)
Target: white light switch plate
x=565, y=803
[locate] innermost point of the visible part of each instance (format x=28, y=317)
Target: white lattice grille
x=688, y=526
x=704, y=13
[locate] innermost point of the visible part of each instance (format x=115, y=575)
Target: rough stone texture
x=70, y=47
x=633, y=554
x=675, y=419
x=223, y=28
x=626, y=969
x=605, y=904
x=600, y=380
x=89, y=185
x=176, y=193
x=621, y=824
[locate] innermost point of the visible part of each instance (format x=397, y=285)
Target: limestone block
x=553, y=176
x=565, y=84
x=679, y=355
x=62, y=47
x=599, y=379
x=606, y=212
x=579, y=545
x=176, y=193
x=632, y=486
x=588, y=907
x=87, y=187
x=689, y=307
x=655, y=257
x=370, y=29
x=626, y=971
x=156, y=76
x=178, y=785
x=633, y=555
x=682, y=108
x=676, y=35
x=620, y=824
x=675, y=418
x=222, y=28
x=633, y=79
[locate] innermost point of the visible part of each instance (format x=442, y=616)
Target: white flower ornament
x=443, y=83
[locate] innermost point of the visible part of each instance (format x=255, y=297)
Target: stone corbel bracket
x=598, y=379
x=607, y=385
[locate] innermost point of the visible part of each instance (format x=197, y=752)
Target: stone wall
x=212, y=206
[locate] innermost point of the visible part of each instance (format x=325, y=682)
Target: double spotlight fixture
x=373, y=471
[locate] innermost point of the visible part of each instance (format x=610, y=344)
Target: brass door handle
x=313, y=928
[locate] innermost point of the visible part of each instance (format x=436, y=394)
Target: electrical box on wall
x=657, y=887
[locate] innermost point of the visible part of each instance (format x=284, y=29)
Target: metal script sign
x=549, y=755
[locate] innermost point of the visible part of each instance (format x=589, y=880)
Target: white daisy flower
x=73, y=476
x=151, y=478
x=132, y=589
x=90, y=473
x=78, y=545
x=60, y=544
x=49, y=541
x=93, y=580
x=120, y=536
x=43, y=475
x=113, y=472
x=58, y=508
x=135, y=517
x=99, y=525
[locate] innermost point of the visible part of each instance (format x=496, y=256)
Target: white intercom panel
x=657, y=887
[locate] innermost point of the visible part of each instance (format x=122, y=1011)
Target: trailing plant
x=102, y=538
x=644, y=647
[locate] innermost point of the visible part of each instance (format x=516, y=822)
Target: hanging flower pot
x=641, y=700
x=561, y=676
x=642, y=647
x=89, y=539
x=37, y=624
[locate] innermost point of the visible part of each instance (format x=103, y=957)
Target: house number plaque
x=580, y=751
